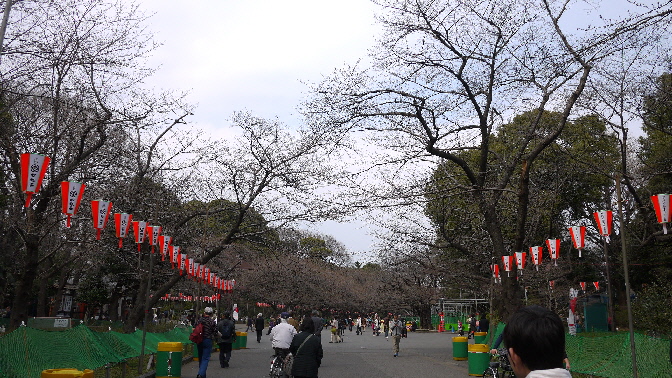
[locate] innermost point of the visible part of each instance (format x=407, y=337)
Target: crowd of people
x=534, y=338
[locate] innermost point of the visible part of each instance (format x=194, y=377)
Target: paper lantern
x=174, y=255
x=190, y=268
x=578, y=234
x=164, y=243
x=603, y=218
x=197, y=267
x=153, y=233
x=494, y=268
x=535, y=253
x=553, y=246
x=521, y=260
x=661, y=203
x=122, y=222
x=140, y=232
x=71, y=196
x=183, y=263
x=583, y=286
x=507, y=262
x=100, y=211
x=597, y=285
x=551, y=284
x=33, y=169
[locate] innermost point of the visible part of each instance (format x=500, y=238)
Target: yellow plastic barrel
x=66, y=373
x=460, y=348
x=169, y=359
x=479, y=337
x=479, y=359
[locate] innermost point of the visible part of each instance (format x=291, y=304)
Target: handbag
x=289, y=359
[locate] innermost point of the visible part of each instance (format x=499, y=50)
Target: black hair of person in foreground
x=535, y=339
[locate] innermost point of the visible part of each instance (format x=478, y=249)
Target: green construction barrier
x=460, y=348
x=479, y=359
x=169, y=360
x=480, y=337
x=195, y=352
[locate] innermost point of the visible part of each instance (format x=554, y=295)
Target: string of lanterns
x=33, y=170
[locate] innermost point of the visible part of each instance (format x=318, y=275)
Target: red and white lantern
x=71, y=196
x=578, y=234
x=174, y=255
x=164, y=243
x=597, y=285
x=140, y=232
x=33, y=169
x=190, y=268
x=197, y=267
x=495, y=272
x=183, y=263
x=551, y=284
x=100, y=210
x=122, y=222
x=661, y=203
x=153, y=233
x=604, y=218
x=583, y=286
x=521, y=260
x=553, y=246
x=507, y=263
x=536, y=253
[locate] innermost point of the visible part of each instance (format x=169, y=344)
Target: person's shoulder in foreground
x=535, y=339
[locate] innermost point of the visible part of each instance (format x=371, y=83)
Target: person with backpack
x=205, y=346
x=227, y=331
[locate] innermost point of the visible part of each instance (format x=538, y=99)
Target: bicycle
x=501, y=368
x=278, y=363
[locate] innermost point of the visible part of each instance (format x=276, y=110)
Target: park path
x=424, y=355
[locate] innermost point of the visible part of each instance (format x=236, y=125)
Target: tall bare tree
x=447, y=74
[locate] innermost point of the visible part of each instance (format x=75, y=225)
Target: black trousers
x=259, y=332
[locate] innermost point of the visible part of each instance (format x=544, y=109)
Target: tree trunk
x=41, y=310
x=24, y=284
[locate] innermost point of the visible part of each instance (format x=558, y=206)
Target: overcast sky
x=255, y=55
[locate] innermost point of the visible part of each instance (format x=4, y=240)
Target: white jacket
x=550, y=373
x=282, y=335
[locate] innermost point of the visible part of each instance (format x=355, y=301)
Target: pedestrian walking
x=227, y=335
x=259, y=326
x=397, y=329
x=307, y=351
x=250, y=324
x=205, y=347
x=319, y=324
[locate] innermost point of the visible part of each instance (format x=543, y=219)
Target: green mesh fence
x=607, y=354
x=27, y=351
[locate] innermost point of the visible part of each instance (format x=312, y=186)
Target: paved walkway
x=424, y=355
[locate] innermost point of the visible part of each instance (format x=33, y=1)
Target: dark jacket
x=259, y=323
x=220, y=328
x=484, y=325
x=209, y=327
x=308, y=359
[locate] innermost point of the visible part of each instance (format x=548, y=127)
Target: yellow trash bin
x=66, y=373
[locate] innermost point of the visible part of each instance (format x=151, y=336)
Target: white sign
x=64, y=323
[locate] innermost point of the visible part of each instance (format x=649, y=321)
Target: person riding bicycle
x=282, y=335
